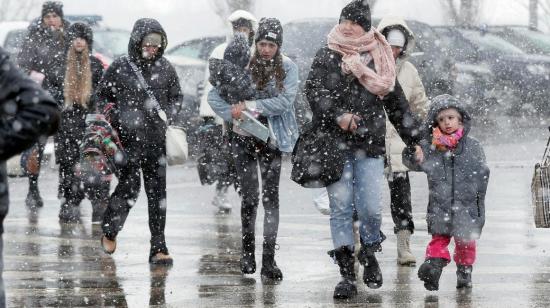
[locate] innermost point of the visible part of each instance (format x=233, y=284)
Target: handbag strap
x=139, y=75
x=546, y=155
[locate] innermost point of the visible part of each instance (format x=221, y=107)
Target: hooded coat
x=412, y=86
x=457, y=180
x=21, y=101
x=44, y=51
x=136, y=121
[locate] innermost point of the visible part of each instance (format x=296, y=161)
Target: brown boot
x=109, y=246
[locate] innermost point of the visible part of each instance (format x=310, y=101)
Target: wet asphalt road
x=48, y=264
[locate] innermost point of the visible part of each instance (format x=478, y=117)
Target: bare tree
x=17, y=9
x=223, y=8
x=462, y=12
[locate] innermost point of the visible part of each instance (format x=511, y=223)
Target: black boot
x=248, y=259
x=463, y=276
x=430, y=272
x=270, y=270
x=346, y=288
x=69, y=213
x=98, y=209
x=33, y=199
x=372, y=275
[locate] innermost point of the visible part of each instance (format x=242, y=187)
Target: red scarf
x=444, y=142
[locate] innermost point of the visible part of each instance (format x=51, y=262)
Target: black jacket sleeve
x=323, y=80
x=107, y=89
x=26, y=111
x=399, y=113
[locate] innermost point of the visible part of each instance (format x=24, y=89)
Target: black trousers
x=250, y=153
x=401, y=207
x=150, y=160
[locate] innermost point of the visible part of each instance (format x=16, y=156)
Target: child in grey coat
x=457, y=178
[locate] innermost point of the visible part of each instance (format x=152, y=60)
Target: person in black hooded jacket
x=82, y=75
x=42, y=56
x=142, y=131
x=27, y=113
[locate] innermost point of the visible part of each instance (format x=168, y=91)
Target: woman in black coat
x=82, y=75
x=350, y=88
x=142, y=131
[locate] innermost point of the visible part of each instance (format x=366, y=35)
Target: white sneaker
x=321, y=201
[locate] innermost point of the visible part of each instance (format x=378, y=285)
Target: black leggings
x=249, y=153
x=126, y=193
x=401, y=208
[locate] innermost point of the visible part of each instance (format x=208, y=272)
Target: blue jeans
x=361, y=187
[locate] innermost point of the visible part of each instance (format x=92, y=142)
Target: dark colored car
x=531, y=41
x=521, y=79
x=303, y=38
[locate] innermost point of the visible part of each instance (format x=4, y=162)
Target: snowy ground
x=48, y=264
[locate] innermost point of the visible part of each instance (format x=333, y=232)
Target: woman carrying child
x=275, y=81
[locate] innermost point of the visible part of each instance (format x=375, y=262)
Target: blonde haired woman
x=82, y=74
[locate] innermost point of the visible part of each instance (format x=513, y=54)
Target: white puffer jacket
x=410, y=81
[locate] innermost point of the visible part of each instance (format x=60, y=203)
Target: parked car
x=521, y=79
x=109, y=43
x=531, y=41
x=190, y=60
x=303, y=38
x=12, y=34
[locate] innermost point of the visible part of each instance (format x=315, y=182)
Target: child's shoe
x=430, y=272
x=463, y=276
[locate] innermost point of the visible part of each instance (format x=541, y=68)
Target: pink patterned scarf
x=380, y=82
x=444, y=142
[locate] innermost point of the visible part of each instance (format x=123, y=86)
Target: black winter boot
x=248, y=259
x=372, y=275
x=69, y=213
x=346, y=288
x=430, y=272
x=270, y=270
x=463, y=276
x=33, y=199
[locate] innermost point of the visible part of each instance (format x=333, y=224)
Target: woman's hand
x=418, y=154
x=348, y=122
x=237, y=109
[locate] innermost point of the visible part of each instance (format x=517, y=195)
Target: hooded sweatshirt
x=133, y=117
x=412, y=86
